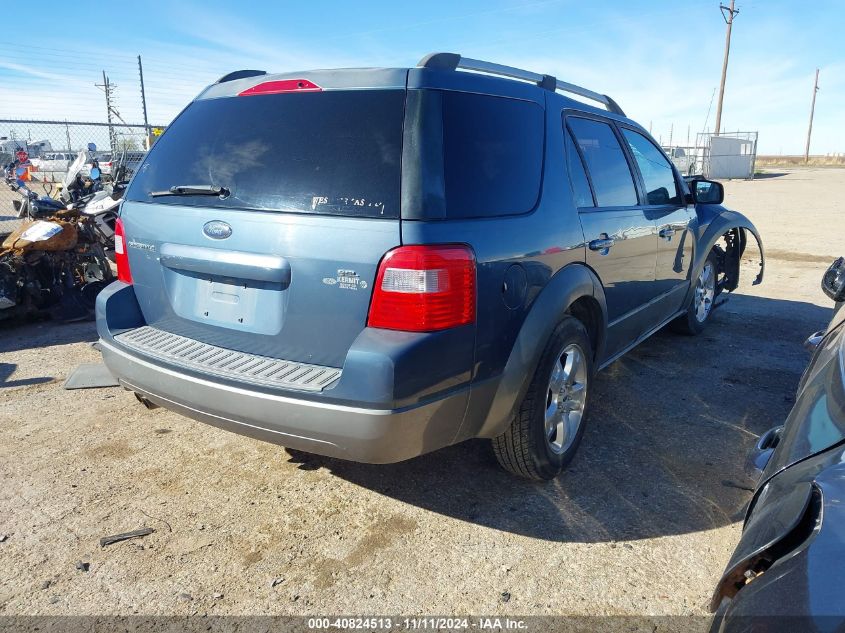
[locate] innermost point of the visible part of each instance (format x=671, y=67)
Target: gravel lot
x=642, y=523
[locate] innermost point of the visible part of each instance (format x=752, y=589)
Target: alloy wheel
x=566, y=397
x=705, y=292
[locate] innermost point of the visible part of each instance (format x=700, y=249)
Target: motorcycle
x=86, y=193
x=98, y=200
x=32, y=205
x=53, y=264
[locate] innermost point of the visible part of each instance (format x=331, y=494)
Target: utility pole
x=144, y=106
x=812, y=110
x=107, y=88
x=728, y=13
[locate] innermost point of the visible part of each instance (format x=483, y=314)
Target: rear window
x=334, y=152
x=492, y=154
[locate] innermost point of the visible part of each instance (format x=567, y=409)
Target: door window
x=612, y=181
x=658, y=177
x=581, y=192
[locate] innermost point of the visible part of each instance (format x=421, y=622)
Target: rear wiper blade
x=192, y=190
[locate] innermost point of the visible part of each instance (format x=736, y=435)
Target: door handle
x=667, y=232
x=601, y=244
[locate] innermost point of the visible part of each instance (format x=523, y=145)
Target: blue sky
x=660, y=60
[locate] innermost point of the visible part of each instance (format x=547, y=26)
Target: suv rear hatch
x=282, y=264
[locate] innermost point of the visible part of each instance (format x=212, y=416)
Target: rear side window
x=492, y=154
x=657, y=174
x=612, y=181
x=581, y=192
x=332, y=152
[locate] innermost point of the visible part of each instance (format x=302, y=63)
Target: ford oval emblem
x=217, y=230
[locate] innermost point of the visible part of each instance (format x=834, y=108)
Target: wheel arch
x=573, y=290
x=726, y=223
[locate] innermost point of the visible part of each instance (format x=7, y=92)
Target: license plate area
x=226, y=301
x=240, y=304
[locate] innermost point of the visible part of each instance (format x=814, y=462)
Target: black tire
x=690, y=322
x=525, y=449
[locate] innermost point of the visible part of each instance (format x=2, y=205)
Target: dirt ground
x=642, y=523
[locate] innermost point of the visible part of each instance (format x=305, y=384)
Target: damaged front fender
x=717, y=223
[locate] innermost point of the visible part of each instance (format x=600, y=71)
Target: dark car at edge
x=787, y=572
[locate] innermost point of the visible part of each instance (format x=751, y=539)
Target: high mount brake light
x=283, y=85
x=121, y=257
x=424, y=289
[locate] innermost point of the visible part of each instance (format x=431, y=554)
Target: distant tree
x=127, y=143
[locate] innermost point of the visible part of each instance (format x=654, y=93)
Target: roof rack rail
x=454, y=61
x=240, y=74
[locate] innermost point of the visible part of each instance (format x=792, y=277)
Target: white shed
x=731, y=157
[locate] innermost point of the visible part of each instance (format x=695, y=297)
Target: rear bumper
x=348, y=432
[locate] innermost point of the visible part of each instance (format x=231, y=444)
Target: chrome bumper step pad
x=226, y=363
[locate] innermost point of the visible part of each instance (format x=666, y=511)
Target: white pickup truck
x=53, y=162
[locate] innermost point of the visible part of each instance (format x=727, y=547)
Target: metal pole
x=107, y=89
x=729, y=20
x=144, y=106
x=812, y=111
x=754, y=157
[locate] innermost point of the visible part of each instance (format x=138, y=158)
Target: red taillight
x=121, y=258
x=424, y=288
x=284, y=85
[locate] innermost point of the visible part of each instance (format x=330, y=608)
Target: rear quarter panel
x=538, y=244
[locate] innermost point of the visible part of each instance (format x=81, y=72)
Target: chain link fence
x=726, y=155
x=53, y=145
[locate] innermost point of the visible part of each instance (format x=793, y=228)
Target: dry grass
x=798, y=161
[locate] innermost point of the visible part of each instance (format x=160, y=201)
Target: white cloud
x=660, y=79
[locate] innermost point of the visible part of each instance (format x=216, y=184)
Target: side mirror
x=708, y=192
x=758, y=458
x=833, y=282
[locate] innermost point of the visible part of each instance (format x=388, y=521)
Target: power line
x=728, y=13
x=707, y=118
x=65, y=50
x=166, y=66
